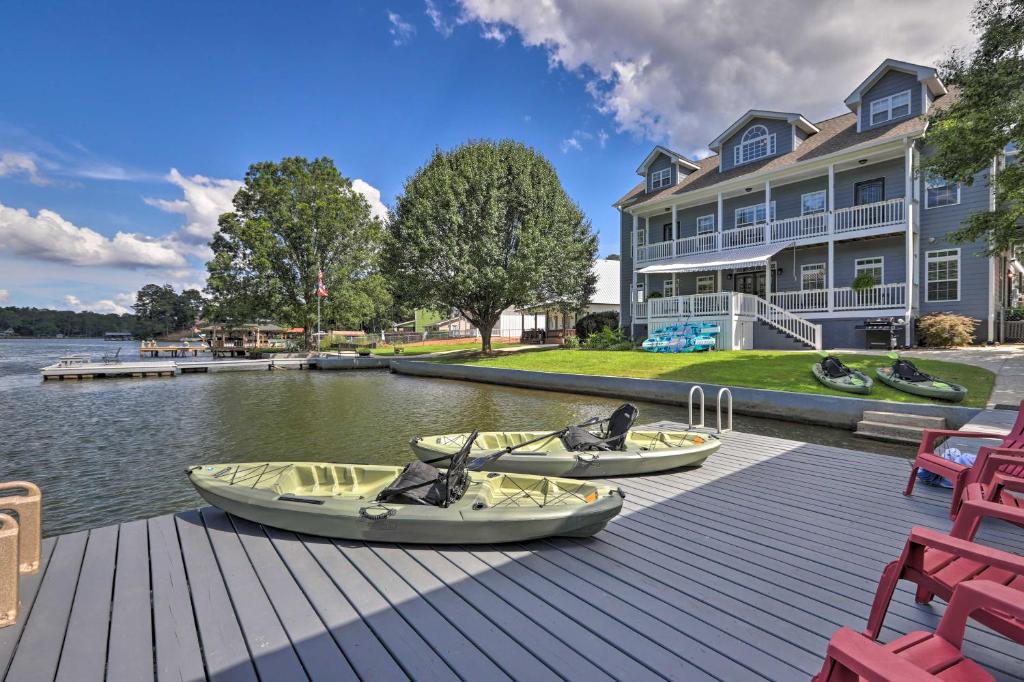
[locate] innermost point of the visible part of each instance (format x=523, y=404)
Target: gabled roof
x=675, y=156
x=925, y=74
x=787, y=116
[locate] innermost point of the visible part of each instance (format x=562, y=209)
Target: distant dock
x=172, y=351
x=64, y=370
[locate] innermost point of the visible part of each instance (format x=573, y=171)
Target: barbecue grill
x=882, y=332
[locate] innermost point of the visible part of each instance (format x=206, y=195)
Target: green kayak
x=834, y=374
x=341, y=501
x=929, y=387
x=642, y=452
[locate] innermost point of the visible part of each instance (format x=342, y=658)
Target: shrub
x=1015, y=314
x=608, y=339
x=571, y=342
x=654, y=294
x=588, y=324
x=942, y=330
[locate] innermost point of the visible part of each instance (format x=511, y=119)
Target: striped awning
x=745, y=257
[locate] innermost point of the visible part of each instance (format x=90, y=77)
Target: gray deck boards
x=738, y=570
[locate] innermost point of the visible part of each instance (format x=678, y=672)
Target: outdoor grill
x=882, y=332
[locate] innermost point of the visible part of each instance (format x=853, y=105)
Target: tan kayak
x=341, y=501
x=642, y=452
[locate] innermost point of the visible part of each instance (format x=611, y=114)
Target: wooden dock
x=739, y=570
x=172, y=351
x=102, y=370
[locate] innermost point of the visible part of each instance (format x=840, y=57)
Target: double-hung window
x=706, y=284
x=812, y=202
x=755, y=144
x=940, y=192
x=705, y=224
x=942, y=275
x=812, y=276
x=891, y=107
x=661, y=178
x=752, y=215
x=668, y=288
x=872, y=266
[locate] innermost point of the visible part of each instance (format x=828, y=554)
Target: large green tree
x=292, y=219
x=487, y=226
x=987, y=115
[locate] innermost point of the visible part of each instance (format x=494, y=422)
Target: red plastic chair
x=1002, y=498
x=921, y=656
x=961, y=475
x=938, y=564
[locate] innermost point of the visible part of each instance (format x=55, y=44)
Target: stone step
x=902, y=419
x=897, y=433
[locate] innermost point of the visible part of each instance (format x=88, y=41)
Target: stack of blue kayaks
x=689, y=337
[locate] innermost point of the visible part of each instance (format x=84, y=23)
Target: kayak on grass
x=582, y=451
x=831, y=372
x=413, y=504
x=904, y=376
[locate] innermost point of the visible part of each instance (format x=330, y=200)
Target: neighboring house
x=768, y=234
x=510, y=325
x=557, y=323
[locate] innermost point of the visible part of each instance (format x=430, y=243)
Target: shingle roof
x=836, y=134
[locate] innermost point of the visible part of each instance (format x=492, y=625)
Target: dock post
x=25, y=500
x=8, y=570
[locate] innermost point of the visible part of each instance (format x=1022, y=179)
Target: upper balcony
x=864, y=220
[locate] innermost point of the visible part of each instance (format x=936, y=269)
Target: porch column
x=768, y=279
x=831, y=197
x=721, y=220
x=675, y=231
x=909, y=217
x=767, y=213
x=718, y=286
x=829, y=272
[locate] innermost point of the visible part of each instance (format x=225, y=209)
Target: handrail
x=865, y=216
x=718, y=409
x=655, y=251
x=701, y=243
x=781, y=319
x=8, y=570
x=800, y=227
x=749, y=235
x=25, y=500
x=689, y=400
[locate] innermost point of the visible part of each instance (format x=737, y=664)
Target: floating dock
x=101, y=370
x=739, y=570
x=173, y=351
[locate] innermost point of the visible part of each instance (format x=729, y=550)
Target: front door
x=750, y=283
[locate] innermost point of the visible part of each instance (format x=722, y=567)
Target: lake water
x=111, y=450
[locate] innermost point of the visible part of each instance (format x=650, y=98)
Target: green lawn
x=437, y=348
x=776, y=370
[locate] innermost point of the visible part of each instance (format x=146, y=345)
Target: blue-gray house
x=768, y=234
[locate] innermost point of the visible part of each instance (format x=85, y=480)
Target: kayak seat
x=834, y=368
x=619, y=424
x=418, y=483
x=578, y=439
x=907, y=371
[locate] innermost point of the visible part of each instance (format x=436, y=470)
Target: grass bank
x=436, y=348
x=773, y=370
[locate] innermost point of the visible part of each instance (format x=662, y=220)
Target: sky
x=125, y=127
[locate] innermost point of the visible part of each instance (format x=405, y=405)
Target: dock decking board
x=737, y=570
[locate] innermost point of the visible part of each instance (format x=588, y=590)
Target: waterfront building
x=792, y=232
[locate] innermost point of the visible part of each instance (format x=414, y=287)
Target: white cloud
x=205, y=199
x=15, y=163
x=48, y=236
x=602, y=138
x=494, y=32
x=120, y=304
x=401, y=31
x=571, y=144
x=5, y=295
x=437, y=19
x=681, y=71
x=372, y=195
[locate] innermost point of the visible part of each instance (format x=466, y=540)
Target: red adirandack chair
x=921, y=656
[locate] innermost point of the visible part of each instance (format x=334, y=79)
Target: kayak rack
x=722, y=393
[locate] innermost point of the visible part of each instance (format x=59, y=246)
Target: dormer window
x=891, y=107
x=661, y=178
x=755, y=144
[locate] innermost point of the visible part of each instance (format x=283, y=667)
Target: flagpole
x=318, y=297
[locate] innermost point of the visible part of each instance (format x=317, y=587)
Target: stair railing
x=781, y=319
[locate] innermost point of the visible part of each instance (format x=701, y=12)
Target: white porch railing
x=696, y=305
x=801, y=301
x=880, y=296
x=702, y=243
x=654, y=252
x=801, y=227
x=878, y=214
x=743, y=236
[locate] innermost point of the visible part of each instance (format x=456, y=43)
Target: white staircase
x=791, y=324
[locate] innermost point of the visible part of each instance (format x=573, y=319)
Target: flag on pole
x=321, y=290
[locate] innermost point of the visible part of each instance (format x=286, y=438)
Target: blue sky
x=103, y=100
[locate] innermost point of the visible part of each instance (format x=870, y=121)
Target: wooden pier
x=739, y=570
x=172, y=351
x=102, y=370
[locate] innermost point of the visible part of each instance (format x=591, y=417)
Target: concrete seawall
x=838, y=411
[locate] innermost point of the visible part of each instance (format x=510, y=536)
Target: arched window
x=756, y=143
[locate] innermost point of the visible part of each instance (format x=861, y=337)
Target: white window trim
x=706, y=278
x=877, y=105
x=657, y=176
x=668, y=287
x=858, y=265
x=768, y=218
x=769, y=145
x=706, y=217
x=807, y=267
x=927, y=205
x=824, y=203
x=927, y=281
